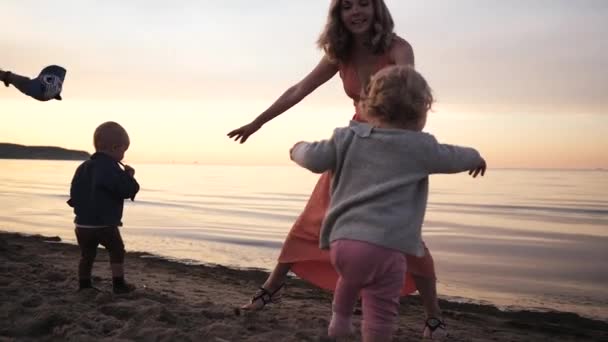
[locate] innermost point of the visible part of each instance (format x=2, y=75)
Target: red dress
x=301, y=248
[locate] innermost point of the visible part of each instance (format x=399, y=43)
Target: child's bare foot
x=263, y=297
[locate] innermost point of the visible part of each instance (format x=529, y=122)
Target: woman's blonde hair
x=397, y=95
x=336, y=40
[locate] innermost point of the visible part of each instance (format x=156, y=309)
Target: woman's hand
x=244, y=132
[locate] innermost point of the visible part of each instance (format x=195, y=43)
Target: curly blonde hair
x=397, y=95
x=336, y=40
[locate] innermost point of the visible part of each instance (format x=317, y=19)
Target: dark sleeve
x=116, y=181
x=75, y=187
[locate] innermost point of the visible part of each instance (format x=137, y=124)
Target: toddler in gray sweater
x=379, y=195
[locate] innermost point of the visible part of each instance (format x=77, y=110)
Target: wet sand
x=179, y=302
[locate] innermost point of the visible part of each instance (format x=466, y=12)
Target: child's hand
x=129, y=170
x=481, y=168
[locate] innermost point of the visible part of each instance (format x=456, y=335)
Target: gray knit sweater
x=380, y=182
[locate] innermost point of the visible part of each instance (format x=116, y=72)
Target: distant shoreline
x=15, y=151
x=285, y=164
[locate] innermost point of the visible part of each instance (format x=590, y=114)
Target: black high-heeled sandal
x=434, y=328
x=267, y=297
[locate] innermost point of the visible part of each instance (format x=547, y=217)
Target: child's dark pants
x=89, y=239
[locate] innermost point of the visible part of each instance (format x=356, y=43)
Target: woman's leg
x=277, y=276
x=422, y=270
x=434, y=327
x=427, y=287
x=301, y=244
x=271, y=290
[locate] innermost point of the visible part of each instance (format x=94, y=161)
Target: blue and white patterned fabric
x=48, y=84
x=52, y=86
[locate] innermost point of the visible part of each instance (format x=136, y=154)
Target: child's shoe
x=434, y=329
x=85, y=284
x=120, y=286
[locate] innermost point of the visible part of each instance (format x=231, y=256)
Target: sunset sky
x=525, y=82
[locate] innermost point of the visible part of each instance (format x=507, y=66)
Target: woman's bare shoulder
x=402, y=51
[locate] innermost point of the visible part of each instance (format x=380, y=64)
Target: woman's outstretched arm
x=322, y=73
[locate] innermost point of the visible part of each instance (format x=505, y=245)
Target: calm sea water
x=535, y=239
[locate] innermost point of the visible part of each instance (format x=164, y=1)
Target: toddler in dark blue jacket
x=97, y=194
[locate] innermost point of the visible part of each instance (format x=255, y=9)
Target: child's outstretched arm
x=444, y=158
x=18, y=81
x=46, y=86
x=317, y=157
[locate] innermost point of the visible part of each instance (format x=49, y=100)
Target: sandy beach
x=179, y=302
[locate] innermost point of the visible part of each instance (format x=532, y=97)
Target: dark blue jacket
x=98, y=191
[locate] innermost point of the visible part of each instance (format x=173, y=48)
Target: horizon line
x=523, y=168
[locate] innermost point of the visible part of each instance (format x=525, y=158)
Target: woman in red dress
x=358, y=40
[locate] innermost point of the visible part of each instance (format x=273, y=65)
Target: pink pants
x=374, y=272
